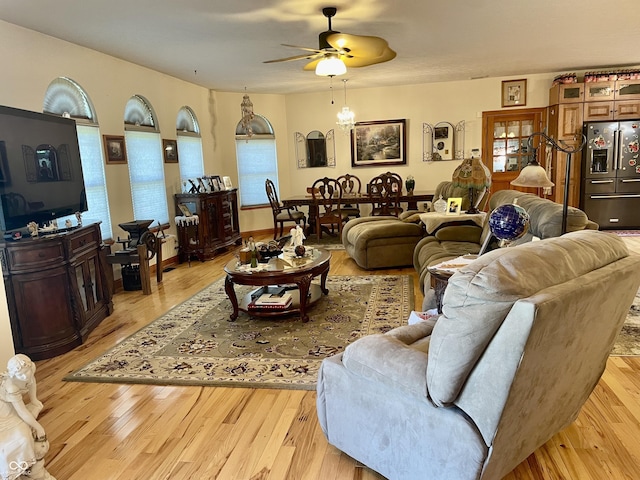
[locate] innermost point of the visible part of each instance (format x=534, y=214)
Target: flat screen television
x=40, y=169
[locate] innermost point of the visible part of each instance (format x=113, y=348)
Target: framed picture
x=453, y=205
x=185, y=210
x=378, y=143
x=114, y=149
x=227, y=183
x=170, y=149
x=514, y=93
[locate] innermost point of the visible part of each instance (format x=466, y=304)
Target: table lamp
x=534, y=176
x=471, y=174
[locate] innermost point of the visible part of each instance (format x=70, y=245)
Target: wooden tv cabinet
x=56, y=288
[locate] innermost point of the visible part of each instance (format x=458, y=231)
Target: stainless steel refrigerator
x=611, y=174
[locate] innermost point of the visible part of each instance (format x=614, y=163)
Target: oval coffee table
x=286, y=269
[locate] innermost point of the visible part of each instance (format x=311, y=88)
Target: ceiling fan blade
x=366, y=46
x=303, y=48
x=358, y=61
x=308, y=56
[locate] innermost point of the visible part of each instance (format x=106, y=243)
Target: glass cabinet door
x=505, y=147
x=510, y=152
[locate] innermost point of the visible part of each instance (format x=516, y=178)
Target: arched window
x=257, y=161
x=189, y=145
x=146, y=168
x=66, y=98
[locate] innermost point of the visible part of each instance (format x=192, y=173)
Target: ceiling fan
x=337, y=51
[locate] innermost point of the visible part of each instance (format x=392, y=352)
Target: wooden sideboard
x=217, y=226
x=56, y=288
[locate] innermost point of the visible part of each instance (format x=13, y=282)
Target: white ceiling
x=221, y=44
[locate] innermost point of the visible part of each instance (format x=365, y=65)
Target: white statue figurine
x=23, y=442
x=297, y=236
x=33, y=229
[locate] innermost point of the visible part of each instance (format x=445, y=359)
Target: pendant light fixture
x=346, y=118
x=246, y=107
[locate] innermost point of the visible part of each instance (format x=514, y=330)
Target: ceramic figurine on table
x=79, y=218
x=33, y=228
x=297, y=236
x=23, y=442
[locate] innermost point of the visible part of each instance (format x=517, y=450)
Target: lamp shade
x=533, y=175
x=471, y=173
x=331, y=66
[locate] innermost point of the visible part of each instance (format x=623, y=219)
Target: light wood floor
x=107, y=431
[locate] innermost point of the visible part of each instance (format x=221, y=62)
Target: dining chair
x=384, y=192
x=351, y=186
x=327, y=199
x=280, y=213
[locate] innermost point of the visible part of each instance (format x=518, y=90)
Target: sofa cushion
x=479, y=297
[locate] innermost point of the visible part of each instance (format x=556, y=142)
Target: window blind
x=257, y=161
x=94, y=181
x=190, y=157
x=146, y=175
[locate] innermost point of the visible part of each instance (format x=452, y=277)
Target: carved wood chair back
x=327, y=198
x=384, y=192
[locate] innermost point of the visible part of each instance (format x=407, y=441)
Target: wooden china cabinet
x=505, y=149
x=216, y=229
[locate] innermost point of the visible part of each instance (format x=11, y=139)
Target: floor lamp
x=533, y=175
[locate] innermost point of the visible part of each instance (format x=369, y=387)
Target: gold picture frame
x=454, y=205
x=170, y=150
x=514, y=93
x=382, y=142
x=115, y=150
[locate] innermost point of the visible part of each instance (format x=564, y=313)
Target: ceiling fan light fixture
x=331, y=66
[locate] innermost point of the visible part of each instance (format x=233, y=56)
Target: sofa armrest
x=391, y=360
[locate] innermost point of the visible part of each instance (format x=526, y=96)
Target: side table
x=439, y=280
x=443, y=271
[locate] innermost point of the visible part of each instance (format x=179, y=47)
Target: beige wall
x=32, y=60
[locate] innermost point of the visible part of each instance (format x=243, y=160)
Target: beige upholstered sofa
x=451, y=242
x=523, y=340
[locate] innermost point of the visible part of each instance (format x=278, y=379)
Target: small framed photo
x=453, y=205
x=170, y=149
x=185, y=210
x=114, y=149
x=227, y=183
x=514, y=93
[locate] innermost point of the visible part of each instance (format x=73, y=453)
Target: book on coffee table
x=283, y=298
x=269, y=303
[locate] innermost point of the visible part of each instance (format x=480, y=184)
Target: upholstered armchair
x=522, y=342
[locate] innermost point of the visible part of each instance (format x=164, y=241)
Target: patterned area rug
x=195, y=344
x=628, y=342
x=328, y=242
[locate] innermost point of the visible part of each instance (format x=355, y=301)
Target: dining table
x=411, y=199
